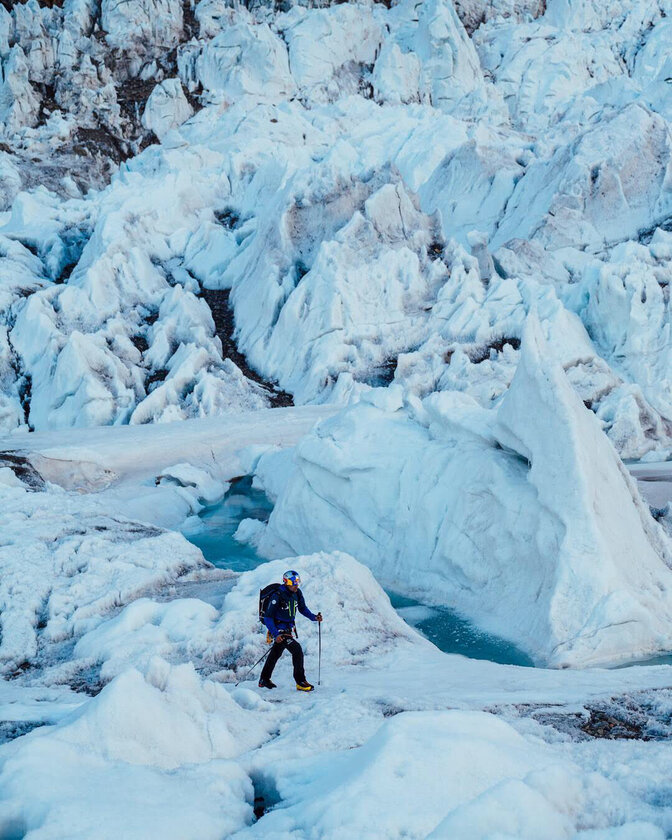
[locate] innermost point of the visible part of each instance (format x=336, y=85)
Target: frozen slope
x=323, y=178
x=611, y=577
x=522, y=518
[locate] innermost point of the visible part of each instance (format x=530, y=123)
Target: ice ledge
x=523, y=519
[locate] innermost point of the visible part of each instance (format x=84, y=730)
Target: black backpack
x=265, y=596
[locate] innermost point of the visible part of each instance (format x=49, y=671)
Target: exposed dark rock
x=12, y=729
x=189, y=22
x=155, y=378
x=25, y=395
x=382, y=375
x=480, y=354
x=140, y=343
x=87, y=681
x=48, y=102
x=22, y=468
x=100, y=142
x=132, y=96
x=222, y=314
x=228, y=218
x=646, y=235
x=642, y=716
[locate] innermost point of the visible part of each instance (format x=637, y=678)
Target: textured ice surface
x=524, y=519
x=169, y=722
x=544, y=126
x=356, y=202
x=66, y=562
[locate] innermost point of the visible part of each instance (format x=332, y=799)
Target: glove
x=282, y=637
x=319, y=616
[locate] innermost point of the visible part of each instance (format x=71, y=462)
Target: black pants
x=276, y=652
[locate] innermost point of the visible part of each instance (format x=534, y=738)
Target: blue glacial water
x=441, y=625
x=214, y=534
x=454, y=634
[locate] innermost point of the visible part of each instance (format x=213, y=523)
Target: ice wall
x=522, y=518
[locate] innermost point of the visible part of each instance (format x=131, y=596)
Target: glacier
x=404, y=267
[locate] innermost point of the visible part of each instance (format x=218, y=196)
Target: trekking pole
x=254, y=666
x=319, y=655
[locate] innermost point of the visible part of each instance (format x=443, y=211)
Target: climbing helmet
x=291, y=578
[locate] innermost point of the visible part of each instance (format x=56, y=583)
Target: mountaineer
x=278, y=604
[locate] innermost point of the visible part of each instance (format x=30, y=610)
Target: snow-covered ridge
x=328, y=184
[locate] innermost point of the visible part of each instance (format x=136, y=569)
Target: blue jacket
x=281, y=610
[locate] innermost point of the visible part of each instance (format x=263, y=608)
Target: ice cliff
x=523, y=518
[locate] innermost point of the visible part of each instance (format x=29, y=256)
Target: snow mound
x=145, y=629
x=151, y=708
x=166, y=108
x=197, y=481
x=245, y=59
x=458, y=775
x=66, y=563
x=327, y=45
x=359, y=622
x=455, y=505
x=167, y=734
x=358, y=617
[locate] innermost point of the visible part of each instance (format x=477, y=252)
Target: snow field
x=161, y=751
